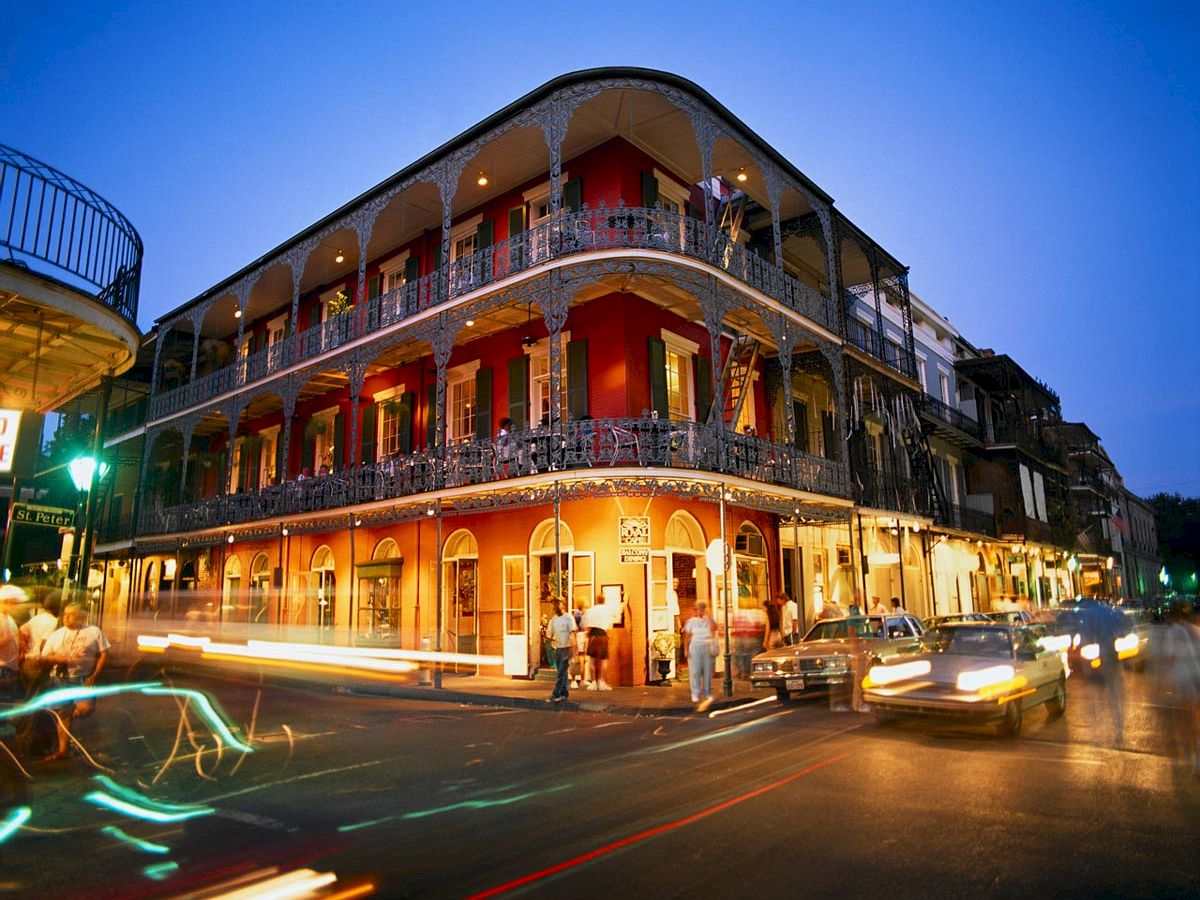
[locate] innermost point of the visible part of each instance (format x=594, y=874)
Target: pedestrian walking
x=773, y=634
x=789, y=619
x=33, y=637
x=700, y=649
x=561, y=631
x=10, y=644
x=598, y=620
x=78, y=653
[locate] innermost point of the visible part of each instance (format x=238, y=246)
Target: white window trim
x=679, y=343
x=458, y=375
x=672, y=189
x=462, y=230
x=278, y=323
x=393, y=265
x=543, y=346
x=387, y=394
x=543, y=190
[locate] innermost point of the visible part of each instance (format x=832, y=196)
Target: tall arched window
x=260, y=586
x=233, y=605
x=460, y=586
x=752, y=589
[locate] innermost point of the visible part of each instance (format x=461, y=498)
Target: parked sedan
x=988, y=673
x=950, y=618
x=824, y=657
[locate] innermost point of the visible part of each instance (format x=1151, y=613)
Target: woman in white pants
x=700, y=645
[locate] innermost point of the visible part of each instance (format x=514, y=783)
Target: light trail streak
x=740, y=707
x=161, y=871
x=143, y=845
x=13, y=821
x=725, y=732
x=132, y=796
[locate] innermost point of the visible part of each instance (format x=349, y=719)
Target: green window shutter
x=404, y=425
x=366, y=430
x=649, y=190
x=339, y=441
x=704, y=388
x=287, y=325
x=483, y=404
x=254, y=473
x=484, y=233
x=657, y=362
x=308, y=453
x=573, y=195
x=374, y=286
x=412, y=270
x=800, y=414
x=577, y=379
x=518, y=392
x=314, y=314
x=696, y=212
x=437, y=254
x=516, y=227
x=827, y=431
x=243, y=468
x=430, y=415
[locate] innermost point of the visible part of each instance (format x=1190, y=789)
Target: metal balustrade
x=967, y=519
x=951, y=416
x=574, y=233
x=588, y=444
x=872, y=343
x=48, y=217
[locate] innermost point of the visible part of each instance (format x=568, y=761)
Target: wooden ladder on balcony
x=736, y=375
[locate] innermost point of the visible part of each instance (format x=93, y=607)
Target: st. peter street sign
x=50, y=516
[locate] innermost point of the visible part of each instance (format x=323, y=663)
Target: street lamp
x=84, y=471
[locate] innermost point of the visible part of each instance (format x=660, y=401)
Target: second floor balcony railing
x=872, y=343
x=590, y=444
x=1027, y=437
x=588, y=230
x=967, y=519
x=951, y=416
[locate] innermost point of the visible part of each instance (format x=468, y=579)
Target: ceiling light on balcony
x=340, y=257
x=229, y=538
x=741, y=175
x=237, y=313
x=285, y=532
x=470, y=322
x=482, y=180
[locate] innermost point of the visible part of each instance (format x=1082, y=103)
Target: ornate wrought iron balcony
x=967, y=519
x=83, y=240
x=596, y=444
x=1028, y=438
x=872, y=343
x=946, y=414
x=603, y=228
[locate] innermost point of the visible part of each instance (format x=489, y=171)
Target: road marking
x=562, y=730
x=503, y=712
x=651, y=832
x=305, y=777
x=609, y=724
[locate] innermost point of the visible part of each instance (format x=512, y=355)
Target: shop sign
x=635, y=555
x=50, y=516
x=10, y=421
x=633, y=531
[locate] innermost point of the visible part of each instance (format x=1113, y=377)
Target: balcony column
x=440, y=335
x=555, y=304
x=706, y=134
x=833, y=263
x=291, y=390
x=158, y=345
x=785, y=344
x=242, y=299
x=874, y=259
x=356, y=372
x=774, y=183
x=834, y=358
x=364, y=223
x=195, y=348
x=712, y=302
x=185, y=430
x=233, y=414
x=295, y=261
x=445, y=175
x=906, y=308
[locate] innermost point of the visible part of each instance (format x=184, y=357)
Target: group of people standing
x=579, y=638
x=46, y=651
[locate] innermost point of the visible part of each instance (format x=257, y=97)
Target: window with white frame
x=464, y=238
x=681, y=394
x=391, y=273
x=387, y=421
x=672, y=198
x=323, y=439
x=944, y=387
x=539, y=378
x=460, y=403
x=266, y=462
x=538, y=200
x=922, y=374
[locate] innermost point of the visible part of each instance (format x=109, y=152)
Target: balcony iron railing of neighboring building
x=1027, y=438
x=951, y=416
x=888, y=490
x=587, y=444
x=604, y=228
x=872, y=343
x=83, y=240
x=965, y=518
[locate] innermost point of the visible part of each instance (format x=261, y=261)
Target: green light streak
x=367, y=824
x=482, y=804
x=207, y=711
x=132, y=796
x=99, y=798
x=15, y=820
x=60, y=696
x=144, y=846
x=161, y=871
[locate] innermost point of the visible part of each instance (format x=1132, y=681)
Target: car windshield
x=863, y=626
x=967, y=641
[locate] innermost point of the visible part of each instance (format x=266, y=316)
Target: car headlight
x=1090, y=651
x=765, y=666
x=880, y=675
x=979, y=679
x=1126, y=646
x=1055, y=642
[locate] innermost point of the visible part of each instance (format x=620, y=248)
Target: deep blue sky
x=1035, y=164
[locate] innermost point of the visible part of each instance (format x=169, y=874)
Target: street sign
x=49, y=516
x=636, y=555
x=716, y=557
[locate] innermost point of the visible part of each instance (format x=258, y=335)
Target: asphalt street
x=445, y=800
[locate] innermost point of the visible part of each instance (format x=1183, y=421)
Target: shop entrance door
x=658, y=614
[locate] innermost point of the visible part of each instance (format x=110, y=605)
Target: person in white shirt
x=700, y=648
x=10, y=650
x=598, y=622
x=33, y=636
x=789, y=623
x=877, y=608
x=561, y=631
x=78, y=653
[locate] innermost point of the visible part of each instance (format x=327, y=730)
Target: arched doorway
x=378, y=614
x=460, y=592
x=260, y=586
x=576, y=584
x=673, y=583
x=150, y=584
x=320, y=600
x=233, y=609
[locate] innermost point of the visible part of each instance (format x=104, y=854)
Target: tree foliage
x=1178, y=520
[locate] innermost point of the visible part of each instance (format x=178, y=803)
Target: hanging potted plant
x=313, y=427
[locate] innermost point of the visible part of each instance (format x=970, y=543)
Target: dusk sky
x=1034, y=164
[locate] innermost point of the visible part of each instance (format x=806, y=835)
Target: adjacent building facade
x=561, y=356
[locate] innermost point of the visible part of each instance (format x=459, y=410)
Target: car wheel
x=1011, y=726
x=1057, y=704
x=782, y=694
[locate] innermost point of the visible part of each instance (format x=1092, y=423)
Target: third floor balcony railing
x=627, y=228
x=948, y=414
x=871, y=342
x=591, y=444
x=1027, y=437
